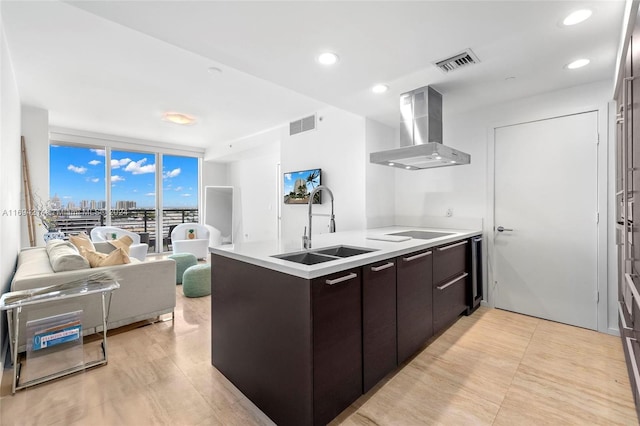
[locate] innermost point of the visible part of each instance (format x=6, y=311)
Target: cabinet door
x=450, y=283
x=378, y=321
x=449, y=301
x=414, y=293
x=337, y=343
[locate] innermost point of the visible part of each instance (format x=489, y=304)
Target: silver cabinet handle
x=341, y=279
x=626, y=249
x=382, y=267
x=622, y=320
x=634, y=291
x=502, y=229
x=634, y=364
x=453, y=281
x=417, y=256
x=453, y=245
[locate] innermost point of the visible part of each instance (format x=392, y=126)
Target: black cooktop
x=422, y=235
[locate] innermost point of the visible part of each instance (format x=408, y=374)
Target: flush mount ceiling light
x=327, y=58
x=178, y=118
x=577, y=17
x=578, y=64
x=379, y=88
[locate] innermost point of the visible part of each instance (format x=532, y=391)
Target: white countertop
x=260, y=253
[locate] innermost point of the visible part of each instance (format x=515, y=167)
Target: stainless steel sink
x=306, y=258
x=343, y=251
x=321, y=255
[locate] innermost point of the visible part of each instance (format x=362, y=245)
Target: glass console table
x=13, y=302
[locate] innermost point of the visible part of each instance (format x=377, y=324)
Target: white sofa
x=147, y=290
x=105, y=233
x=198, y=246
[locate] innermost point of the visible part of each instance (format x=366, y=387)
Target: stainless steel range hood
x=420, y=135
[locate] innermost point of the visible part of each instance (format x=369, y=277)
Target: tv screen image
x=298, y=186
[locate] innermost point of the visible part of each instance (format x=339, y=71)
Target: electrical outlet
x=449, y=212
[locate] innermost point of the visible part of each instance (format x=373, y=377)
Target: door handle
x=502, y=229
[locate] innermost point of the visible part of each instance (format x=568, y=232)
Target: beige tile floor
x=494, y=367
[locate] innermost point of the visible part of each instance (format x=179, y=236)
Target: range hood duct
x=420, y=135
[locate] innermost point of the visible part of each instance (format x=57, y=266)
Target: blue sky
x=78, y=174
x=290, y=179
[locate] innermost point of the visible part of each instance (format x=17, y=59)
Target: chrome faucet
x=306, y=240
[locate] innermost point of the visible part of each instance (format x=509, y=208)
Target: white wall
x=255, y=185
x=467, y=189
x=337, y=146
x=380, y=180
x=35, y=129
x=10, y=177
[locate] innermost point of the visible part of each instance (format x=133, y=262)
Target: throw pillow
x=123, y=242
x=64, y=256
x=191, y=234
x=81, y=241
x=116, y=257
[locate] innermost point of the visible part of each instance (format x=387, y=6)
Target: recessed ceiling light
x=392, y=164
x=379, y=88
x=578, y=64
x=328, y=58
x=407, y=167
x=577, y=17
x=178, y=118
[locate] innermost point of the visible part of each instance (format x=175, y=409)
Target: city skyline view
x=77, y=176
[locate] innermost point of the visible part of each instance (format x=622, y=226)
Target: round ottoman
x=196, y=281
x=183, y=261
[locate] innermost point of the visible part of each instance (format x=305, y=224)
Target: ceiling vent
x=460, y=60
x=302, y=125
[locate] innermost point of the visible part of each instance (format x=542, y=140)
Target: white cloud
x=116, y=164
x=75, y=169
x=172, y=173
x=67, y=197
x=178, y=188
x=150, y=194
x=95, y=162
x=139, y=168
x=287, y=176
x=99, y=152
x=186, y=195
x=95, y=180
x=116, y=178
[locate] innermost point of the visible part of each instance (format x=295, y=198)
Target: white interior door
x=546, y=198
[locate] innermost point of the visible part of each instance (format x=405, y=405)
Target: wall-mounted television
x=298, y=186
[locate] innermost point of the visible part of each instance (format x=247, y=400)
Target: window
x=179, y=192
x=77, y=186
x=130, y=198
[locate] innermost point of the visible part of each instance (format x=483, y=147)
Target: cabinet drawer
x=337, y=343
x=379, y=335
x=415, y=302
x=450, y=261
x=449, y=301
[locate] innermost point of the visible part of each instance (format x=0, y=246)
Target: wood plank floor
x=494, y=367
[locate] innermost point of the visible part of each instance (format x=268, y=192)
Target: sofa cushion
x=63, y=256
x=123, y=242
x=116, y=257
x=81, y=241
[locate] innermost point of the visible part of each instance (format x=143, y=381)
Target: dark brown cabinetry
x=303, y=350
x=450, y=283
x=627, y=213
x=415, y=299
x=337, y=343
x=379, y=335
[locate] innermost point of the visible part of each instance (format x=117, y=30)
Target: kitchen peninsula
x=303, y=341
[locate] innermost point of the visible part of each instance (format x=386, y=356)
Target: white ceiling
x=115, y=67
